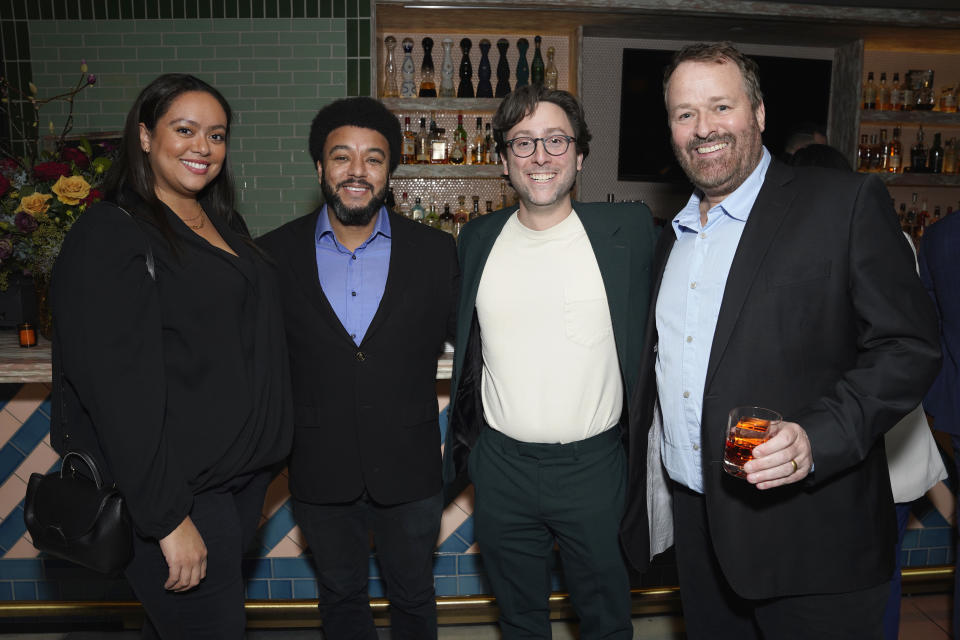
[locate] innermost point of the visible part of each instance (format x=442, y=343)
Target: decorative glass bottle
x=446, y=70
x=465, y=90
x=551, y=75
x=428, y=88
x=390, y=70
x=408, y=89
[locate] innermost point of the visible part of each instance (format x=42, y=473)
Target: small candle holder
x=28, y=334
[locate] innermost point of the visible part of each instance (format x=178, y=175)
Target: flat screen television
x=795, y=91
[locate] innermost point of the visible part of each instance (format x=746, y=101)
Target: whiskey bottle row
x=916, y=216
x=537, y=72
x=883, y=155
x=444, y=219
x=916, y=92
x=436, y=146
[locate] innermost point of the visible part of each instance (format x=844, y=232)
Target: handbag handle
x=87, y=460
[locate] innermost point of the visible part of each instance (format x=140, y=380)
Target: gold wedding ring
x=794, y=465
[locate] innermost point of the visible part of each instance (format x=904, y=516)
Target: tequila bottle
x=409, y=88
x=465, y=89
x=403, y=207
x=537, y=67
x=390, y=70
x=408, y=147
x=446, y=70
x=484, y=89
x=458, y=146
x=523, y=69
x=428, y=88
x=503, y=69
x=423, y=143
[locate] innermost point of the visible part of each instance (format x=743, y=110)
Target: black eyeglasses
x=524, y=147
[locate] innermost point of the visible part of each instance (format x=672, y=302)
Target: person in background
x=803, y=135
x=940, y=272
x=369, y=298
x=554, y=296
x=176, y=382
x=913, y=458
x=788, y=288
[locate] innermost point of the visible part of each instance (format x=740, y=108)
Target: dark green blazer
x=623, y=238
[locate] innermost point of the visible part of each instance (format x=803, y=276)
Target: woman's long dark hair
x=130, y=181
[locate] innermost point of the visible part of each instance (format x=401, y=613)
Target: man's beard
x=353, y=217
x=725, y=177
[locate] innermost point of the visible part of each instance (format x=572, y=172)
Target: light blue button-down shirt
x=353, y=282
x=687, y=310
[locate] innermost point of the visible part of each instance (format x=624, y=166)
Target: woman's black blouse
x=178, y=383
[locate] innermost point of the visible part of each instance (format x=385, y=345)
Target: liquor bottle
x=428, y=88
x=458, y=145
x=390, y=89
x=873, y=153
x=537, y=67
x=935, y=159
x=918, y=154
x=489, y=207
x=408, y=89
x=551, y=75
x=950, y=156
x=446, y=219
x=925, y=96
x=909, y=95
x=431, y=219
x=922, y=218
x=475, y=153
x=465, y=89
x=883, y=93
x=896, y=93
x=484, y=88
x=902, y=216
x=418, y=213
x=490, y=147
x=403, y=207
x=879, y=158
x=913, y=215
x=475, y=213
x=503, y=194
x=438, y=146
x=863, y=154
x=936, y=215
x=422, y=144
x=948, y=99
x=460, y=217
x=523, y=69
x=503, y=69
x=446, y=70
x=869, y=93
x=894, y=153
x=408, y=147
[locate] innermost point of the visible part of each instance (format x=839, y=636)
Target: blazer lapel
x=768, y=212
x=402, y=269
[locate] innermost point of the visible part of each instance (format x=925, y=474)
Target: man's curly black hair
x=356, y=112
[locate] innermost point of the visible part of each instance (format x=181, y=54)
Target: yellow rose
x=71, y=190
x=34, y=204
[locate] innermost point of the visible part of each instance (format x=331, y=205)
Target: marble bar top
x=19, y=364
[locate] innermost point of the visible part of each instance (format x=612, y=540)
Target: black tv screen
x=795, y=91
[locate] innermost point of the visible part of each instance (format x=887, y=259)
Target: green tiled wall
x=276, y=61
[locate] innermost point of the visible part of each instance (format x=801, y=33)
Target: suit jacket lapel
x=402, y=269
x=613, y=259
x=766, y=216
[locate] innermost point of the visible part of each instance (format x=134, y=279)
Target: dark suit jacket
x=622, y=237
x=366, y=416
x=940, y=271
x=824, y=320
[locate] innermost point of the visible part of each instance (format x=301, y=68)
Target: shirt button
x=696, y=447
x=689, y=338
x=686, y=394
x=360, y=356
x=693, y=285
x=353, y=257
x=353, y=293
x=353, y=335
x=703, y=234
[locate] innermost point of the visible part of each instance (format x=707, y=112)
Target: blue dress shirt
x=687, y=308
x=353, y=282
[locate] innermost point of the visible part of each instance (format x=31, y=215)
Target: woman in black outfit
x=177, y=384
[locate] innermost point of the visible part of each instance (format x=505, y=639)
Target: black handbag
x=76, y=518
x=72, y=516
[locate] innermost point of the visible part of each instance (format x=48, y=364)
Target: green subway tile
x=352, y=37
x=332, y=37
x=195, y=53
x=179, y=11
x=311, y=104
x=86, y=10
x=243, y=104
x=312, y=25
x=353, y=78
x=269, y=51
x=252, y=143
x=364, y=34
x=230, y=92
x=258, y=10
x=243, y=10
x=220, y=64
x=73, y=10
x=104, y=94
x=153, y=11
x=259, y=195
x=272, y=24
x=297, y=91
x=182, y=66
x=133, y=39
x=307, y=181
x=71, y=27
x=311, y=77
x=232, y=10
x=23, y=40
x=326, y=8
x=139, y=10
x=203, y=9
x=220, y=37
x=351, y=8
x=234, y=52
x=33, y=10
x=364, y=77
x=173, y=39
x=363, y=8
x=261, y=64
x=338, y=24
x=191, y=8
x=238, y=157
x=260, y=117
x=43, y=26
x=298, y=9
x=339, y=9
x=113, y=10
x=219, y=8
x=273, y=77
x=300, y=37
x=295, y=144
x=333, y=90
x=45, y=53
x=270, y=9
x=165, y=8
x=139, y=67
x=260, y=37
x=273, y=131
x=153, y=53
x=233, y=24
x=106, y=122
x=312, y=8
x=235, y=78
x=297, y=64
x=156, y=26
x=113, y=26
x=274, y=104
x=106, y=53
x=338, y=51
x=259, y=91
x=330, y=64
x=200, y=24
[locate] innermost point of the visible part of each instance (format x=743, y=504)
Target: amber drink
x=746, y=428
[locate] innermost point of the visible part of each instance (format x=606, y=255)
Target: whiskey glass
x=747, y=427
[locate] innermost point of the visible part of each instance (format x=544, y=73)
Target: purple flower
x=6, y=249
x=25, y=222
x=91, y=79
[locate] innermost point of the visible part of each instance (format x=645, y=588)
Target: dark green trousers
x=529, y=496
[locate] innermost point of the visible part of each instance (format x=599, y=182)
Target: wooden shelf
x=871, y=116
x=442, y=104
x=920, y=179
x=448, y=171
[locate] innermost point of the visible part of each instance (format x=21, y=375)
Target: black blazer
x=823, y=319
x=175, y=385
x=366, y=417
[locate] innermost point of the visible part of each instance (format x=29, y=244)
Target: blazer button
x=360, y=356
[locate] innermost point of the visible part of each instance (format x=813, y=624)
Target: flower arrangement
x=44, y=184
